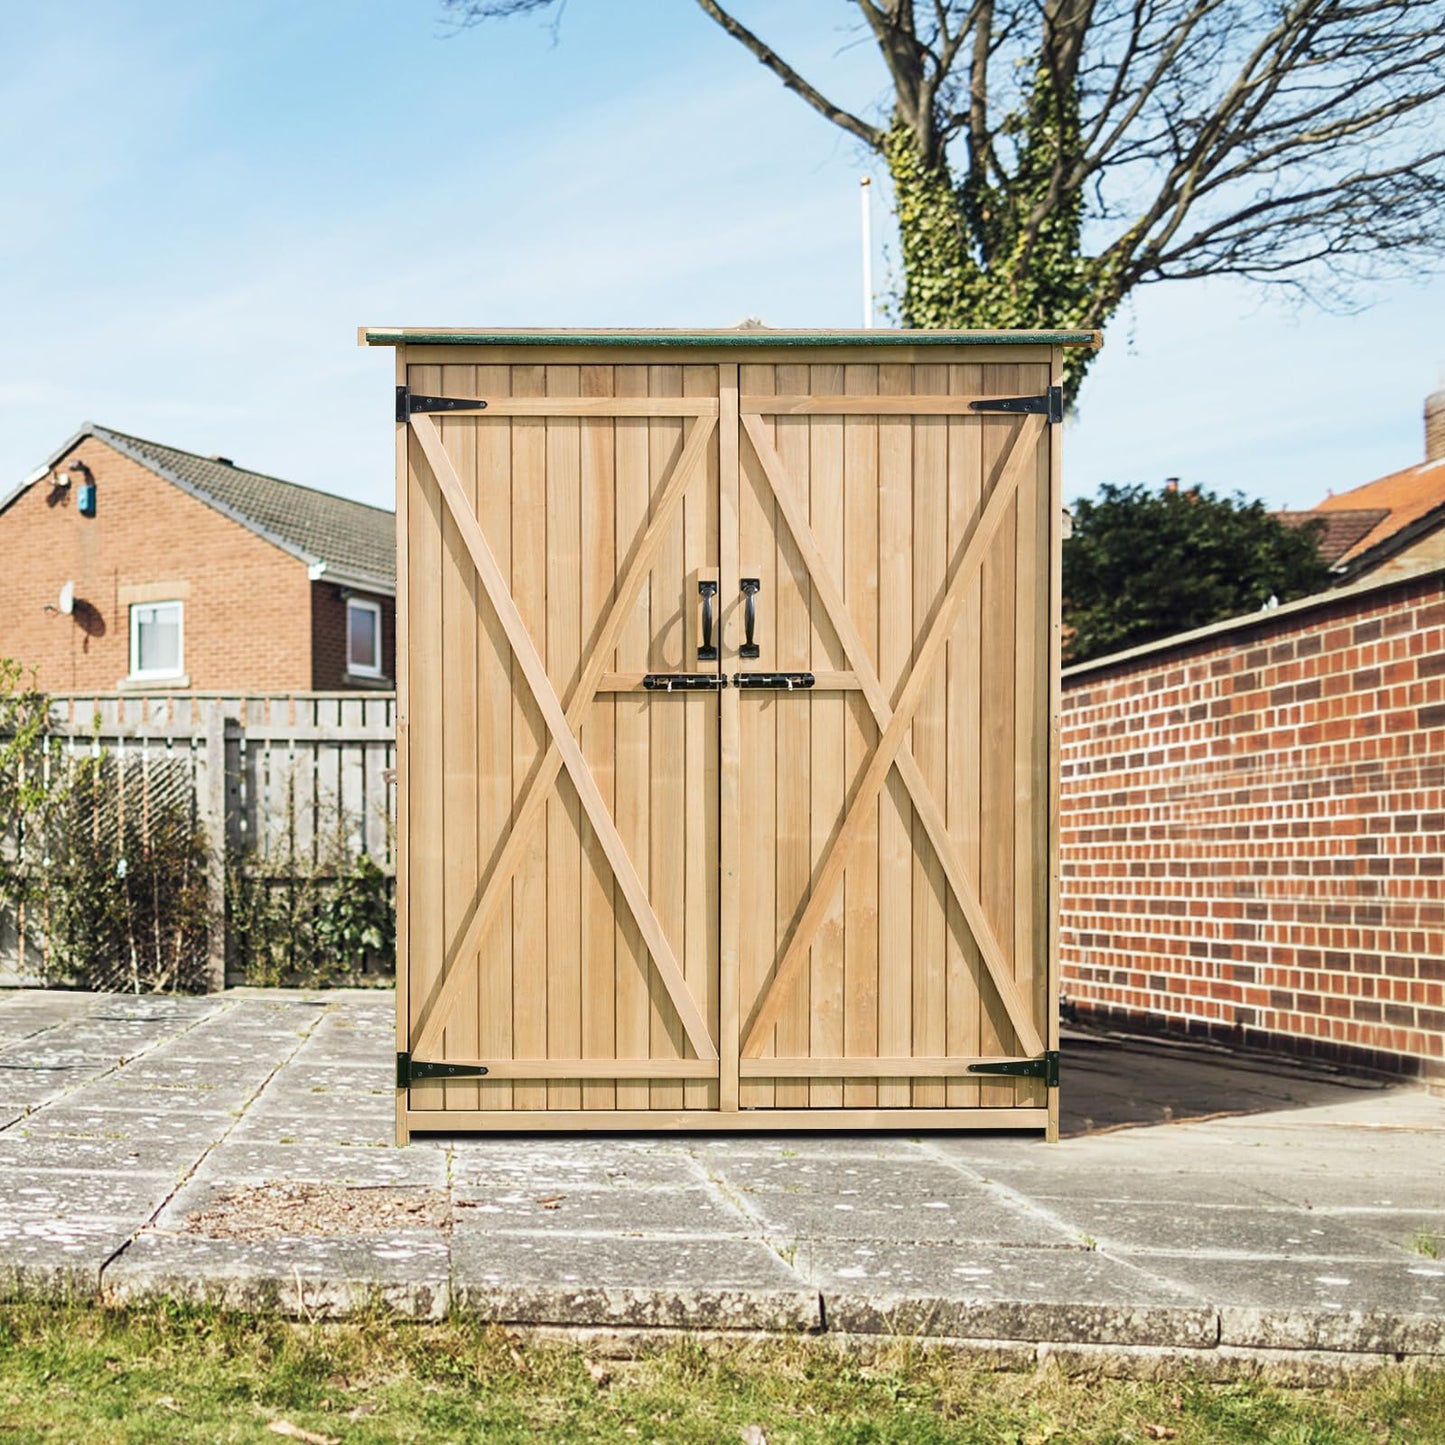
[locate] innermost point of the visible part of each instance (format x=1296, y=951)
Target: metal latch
x=775, y=681
x=407, y=403
x=1045, y=1068
x=684, y=681
x=1050, y=404
x=411, y=1071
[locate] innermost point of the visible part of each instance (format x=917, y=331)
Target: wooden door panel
x=566, y=917
x=891, y=544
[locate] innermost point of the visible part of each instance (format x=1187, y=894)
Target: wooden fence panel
x=268, y=779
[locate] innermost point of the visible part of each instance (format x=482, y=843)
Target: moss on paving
x=168, y=1374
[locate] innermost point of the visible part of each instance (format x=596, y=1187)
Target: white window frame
x=138, y=674
x=355, y=669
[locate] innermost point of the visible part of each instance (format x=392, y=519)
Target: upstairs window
x=363, y=638
x=156, y=639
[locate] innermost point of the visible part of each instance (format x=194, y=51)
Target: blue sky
x=203, y=201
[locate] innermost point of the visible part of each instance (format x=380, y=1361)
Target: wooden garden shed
x=727, y=667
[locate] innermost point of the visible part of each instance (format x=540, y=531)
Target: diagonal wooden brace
x=888, y=752
x=563, y=743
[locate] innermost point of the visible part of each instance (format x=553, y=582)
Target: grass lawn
x=80, y=1374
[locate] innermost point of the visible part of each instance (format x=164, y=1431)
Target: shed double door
x=725, y=745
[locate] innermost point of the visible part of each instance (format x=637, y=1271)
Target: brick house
x=130, y=565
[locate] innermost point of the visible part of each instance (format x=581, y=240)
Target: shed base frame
x=710, y=1121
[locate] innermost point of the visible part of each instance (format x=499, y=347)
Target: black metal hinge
x=1045, y=1068
x=1050, y=405
x=407, y=402
x=411, y=1071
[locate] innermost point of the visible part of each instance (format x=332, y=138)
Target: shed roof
x=731, y=336
x=351, y=539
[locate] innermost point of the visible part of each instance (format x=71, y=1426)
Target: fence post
x=212, y=810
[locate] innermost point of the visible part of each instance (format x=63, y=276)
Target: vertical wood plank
x=757, y=811
x=495, y=714
x=860, y=592
x=1031, y=696
x=425, y=783
x=896, y=626
x=966, y=975
x=599, y=574
x=633, y=747
x=1053, y=523
x=674, y=621
x=729, y=744
x=827, y=784
x=564, y=809
x=929, y=738
x=794, y=732
x=997, y=663
x=459, y=589
x=529, y=736
x=701, y=779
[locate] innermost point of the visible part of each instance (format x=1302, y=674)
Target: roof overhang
x=358, y=581
x=754, y=338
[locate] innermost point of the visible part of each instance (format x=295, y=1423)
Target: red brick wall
x=247, y=609
x=1253, y=828
x=328, y=640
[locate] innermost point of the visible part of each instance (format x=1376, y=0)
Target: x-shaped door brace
x=893, y=726
x=564, y=750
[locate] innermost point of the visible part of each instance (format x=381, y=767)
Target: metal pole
x=865, y=193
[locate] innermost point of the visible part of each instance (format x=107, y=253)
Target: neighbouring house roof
x=333, y=535
x=1405, y=505
x=1338, y=531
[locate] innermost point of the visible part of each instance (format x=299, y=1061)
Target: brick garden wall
x=1253, y=825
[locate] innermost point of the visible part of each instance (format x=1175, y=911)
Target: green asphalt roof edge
x=400, y=335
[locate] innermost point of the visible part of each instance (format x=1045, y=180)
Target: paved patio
x=237, y=1149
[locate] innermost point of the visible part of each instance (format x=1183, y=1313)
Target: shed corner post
x=212, y=811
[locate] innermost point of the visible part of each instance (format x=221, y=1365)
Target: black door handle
x=708, y=651
x=751, y=587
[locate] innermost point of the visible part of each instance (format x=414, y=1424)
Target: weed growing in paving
x=171, y=1374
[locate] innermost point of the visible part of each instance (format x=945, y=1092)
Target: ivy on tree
x=1141, y=565
x=1050, y=156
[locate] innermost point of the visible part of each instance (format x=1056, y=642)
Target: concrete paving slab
x=314, y=1278
x=1330, y=1305
x=21, y=1151
x=702, y=1284
x=70, y=1195
x=1216, y=1231
x=923, y=1204
x=698, y=1212
x=24, y=1088
x=48, y=1258
x=994, y=1292
x=246, y=1162
x=320, y=1129
x=547, y=1165
x=78, y=1118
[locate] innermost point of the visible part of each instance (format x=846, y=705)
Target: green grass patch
x=167, y=1374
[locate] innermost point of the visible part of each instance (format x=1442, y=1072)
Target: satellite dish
x=67, y=599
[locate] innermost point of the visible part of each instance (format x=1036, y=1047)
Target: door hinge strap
x=1050, y=404
x=1045, y=1068
x=408, y=403
x=411, y=1071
